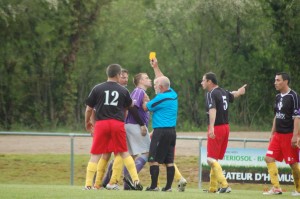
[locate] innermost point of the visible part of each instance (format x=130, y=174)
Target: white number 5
x=225, y=104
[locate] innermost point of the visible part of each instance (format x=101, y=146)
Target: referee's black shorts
x=162, y=145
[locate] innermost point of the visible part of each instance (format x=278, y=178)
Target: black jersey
x=109, y=100
x=219, y=99
x=285, y=109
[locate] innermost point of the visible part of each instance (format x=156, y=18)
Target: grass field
x=73, y=192
x=48, y=176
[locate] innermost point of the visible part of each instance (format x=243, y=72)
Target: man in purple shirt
x=136, y=123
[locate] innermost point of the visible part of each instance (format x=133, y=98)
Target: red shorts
x=216, y=147
x=109, y=136
x=280, y=148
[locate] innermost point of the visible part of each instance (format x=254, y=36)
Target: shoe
x=224, y=190
x=181, y=184
x=136, y=185
x=97, y=187
x=150, y=189
x=295, y=193
x=166, y=190
x=112, y=187
x=87, y=188
x=273, y=191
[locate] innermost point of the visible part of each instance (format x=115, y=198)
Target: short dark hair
x=124, y=71
x=113, y=70
x=137, y=78
x=212, y=77
x=284, y=76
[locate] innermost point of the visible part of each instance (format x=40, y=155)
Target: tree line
x=54, y=51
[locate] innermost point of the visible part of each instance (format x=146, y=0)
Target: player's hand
x=242, y=90
x=211, y=133
x=294, y=141
x=154, y=63
x=144, y=130
x=298, y=142
x=89, y=127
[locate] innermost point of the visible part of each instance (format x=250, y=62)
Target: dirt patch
x=62, y=145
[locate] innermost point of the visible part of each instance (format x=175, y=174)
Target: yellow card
x=152, y=55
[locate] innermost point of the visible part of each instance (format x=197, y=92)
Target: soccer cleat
x=224, y=190
x=87, y=188
x=166, y=190
x=273, y=191
x=136, y=185
x=150, y=189
x=181, y=184
x=295, y=193
x=112, y=187
x=97, y=187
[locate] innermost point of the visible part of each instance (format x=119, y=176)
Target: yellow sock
x=117, y=170
x=130, y=166
x=101, y=166
x=296, y=176
x=177, y=175
x=217, y=170
x=273, y=172
x=90, y=173
x=213, y=183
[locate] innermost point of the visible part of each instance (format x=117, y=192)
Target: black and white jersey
x=109, y=99
x=285, y=109
x=219, y=99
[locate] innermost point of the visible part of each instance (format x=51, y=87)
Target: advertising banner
x=246, y=165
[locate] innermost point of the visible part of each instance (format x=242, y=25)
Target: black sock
x=170, y=176
x=154, y=172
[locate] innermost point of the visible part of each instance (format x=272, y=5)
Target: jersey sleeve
x=296, y=112
x=230, y=97
x=128, y=100
x=211, y=100
x=91, y=99
x=137, y=97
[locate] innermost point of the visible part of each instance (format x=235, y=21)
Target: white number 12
x=113, y=102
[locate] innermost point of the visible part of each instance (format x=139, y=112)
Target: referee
x=164, y=107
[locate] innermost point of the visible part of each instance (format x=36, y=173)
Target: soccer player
x=284, y=134
x=136, y=126
x=164, y=107
x=110, y=100
x=217, y=106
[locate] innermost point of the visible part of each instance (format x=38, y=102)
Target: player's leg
x=91, y=170
x=273, y=153
x=98, y=147
x=101, y=166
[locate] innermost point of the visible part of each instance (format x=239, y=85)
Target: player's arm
x=155, y=67
x=88, y=114
x=273, y=128
x=296, y=131
x=212, y=118
x=239, y=92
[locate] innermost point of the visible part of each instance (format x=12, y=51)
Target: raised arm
x=155, y=67
x=239, y=92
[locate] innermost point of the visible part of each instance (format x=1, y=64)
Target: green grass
x=48, y=176
x=73, y=192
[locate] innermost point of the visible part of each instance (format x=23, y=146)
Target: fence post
x=200, y=165
x=72, y=160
